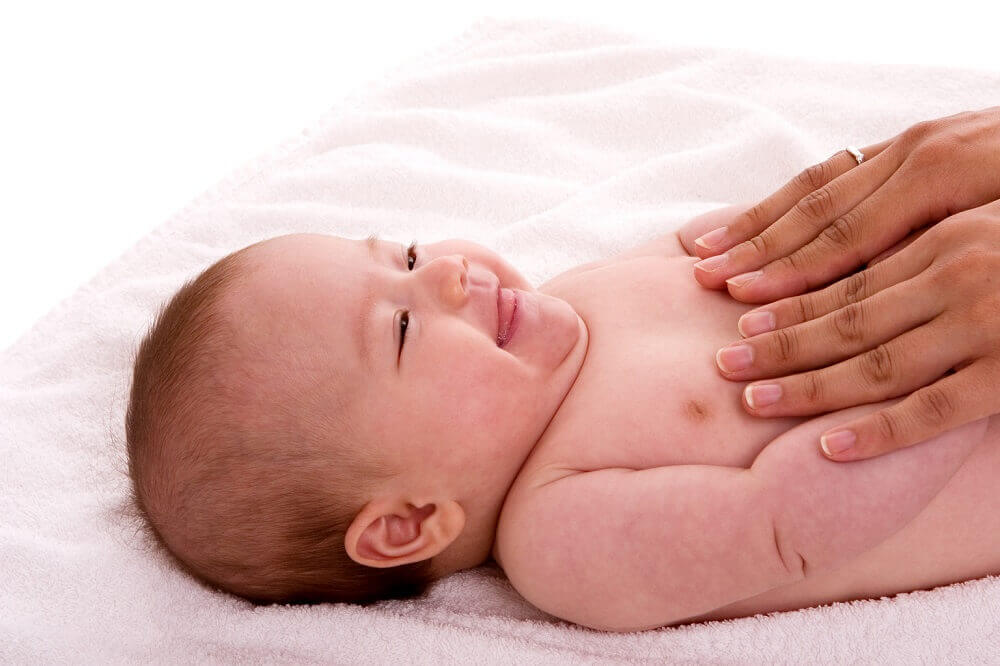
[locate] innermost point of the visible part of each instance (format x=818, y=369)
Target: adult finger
x=797, y=212
x=853, y=238
x=892, y=270
x=768, y=211
x=840, y=334
x=897, y=247
x=947, y=403
x=891, y=369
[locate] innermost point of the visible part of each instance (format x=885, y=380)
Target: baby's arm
x=827, y=512
x=627, y=550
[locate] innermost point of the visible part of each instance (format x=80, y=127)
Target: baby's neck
x=470, y=549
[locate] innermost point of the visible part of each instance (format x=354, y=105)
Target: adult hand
x=903, y=323
x=836, y=215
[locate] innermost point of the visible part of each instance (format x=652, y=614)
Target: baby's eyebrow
x=372, y=243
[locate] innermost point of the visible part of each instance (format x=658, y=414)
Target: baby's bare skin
x=649, y=395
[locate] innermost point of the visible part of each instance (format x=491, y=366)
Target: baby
x=322, y=419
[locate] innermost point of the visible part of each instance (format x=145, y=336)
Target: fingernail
x=837, y=441
x=734, y=357
x=762, y=395
x=754, y=323
x=743, y=278
x=712, y=238
x=712, y=263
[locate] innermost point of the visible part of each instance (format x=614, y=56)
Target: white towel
x=552, y=143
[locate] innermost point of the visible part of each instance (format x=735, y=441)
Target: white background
x=115, y=115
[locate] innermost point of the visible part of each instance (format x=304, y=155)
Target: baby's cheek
x=479, y=401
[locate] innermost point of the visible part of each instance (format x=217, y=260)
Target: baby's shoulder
x=665, y=246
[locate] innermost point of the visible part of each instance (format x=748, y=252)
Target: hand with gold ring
x=919, y=309
x=836, y=215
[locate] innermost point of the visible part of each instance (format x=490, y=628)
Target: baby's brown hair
x=248, y=491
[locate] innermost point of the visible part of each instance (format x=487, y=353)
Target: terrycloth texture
x=554, y=144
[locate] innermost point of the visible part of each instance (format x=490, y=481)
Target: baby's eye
x=411, y=253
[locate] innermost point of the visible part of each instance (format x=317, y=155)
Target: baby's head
x=316, y=418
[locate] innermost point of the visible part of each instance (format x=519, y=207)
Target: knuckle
x=752, y=219
x=855, y=288
x=840, y=234
x=932, y=151
x=794, y=263
x=877, y=366
x=817, y=204
x=934, y=406
x=805, y=308
x=783, y=345
x=914, y=134
x=815, y=176
x=887, y=426
x=812, y=387
x=849, y=323
x=761, y=245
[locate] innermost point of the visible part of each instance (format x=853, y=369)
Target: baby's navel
x=697, y=411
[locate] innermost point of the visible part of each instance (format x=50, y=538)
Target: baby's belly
x=955, y=538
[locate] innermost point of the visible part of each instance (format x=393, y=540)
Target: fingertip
x=702, y=249
x=703, y=253
x=740, y=294
x=705, y=279
x=839, y=444
x=713, y=240
x=745, y=279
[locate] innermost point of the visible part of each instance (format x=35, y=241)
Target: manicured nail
x=762, y=395
x=755, y=323
x=712, y=263
x=743, y=278
x=712, y=238
x=734, y=357
x=837, y=441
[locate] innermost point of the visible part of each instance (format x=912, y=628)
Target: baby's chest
x=649, y=393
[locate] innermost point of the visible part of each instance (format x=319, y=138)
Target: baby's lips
x=506, y=316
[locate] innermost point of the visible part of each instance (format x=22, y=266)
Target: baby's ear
x=388, y=533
